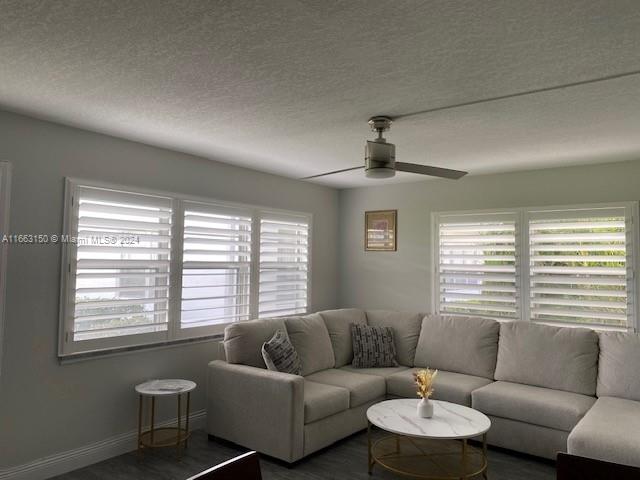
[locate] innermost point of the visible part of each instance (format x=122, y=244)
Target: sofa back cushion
x=618, y=374
x=406, y=330
x=550, y=357
x=459, y=344
x=338, y=323
x=310, y=338
x=243, y=340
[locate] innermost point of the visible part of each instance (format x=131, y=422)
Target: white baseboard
x=63, y=462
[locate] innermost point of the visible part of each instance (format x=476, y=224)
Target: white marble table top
x=449, y=421
x=165, y=387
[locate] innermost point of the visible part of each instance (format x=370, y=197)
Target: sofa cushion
x=550, y=357
x=373, y=346
x=618, y=374
x=243, y=340
x=406, y=330
x=380, y=372
x=535, y=405
x=280, y=356
x=362, y=388
x=610, y=431
x=471, y=345
x=310, y=338
x=449, y=386
x=338, y=324
x=321, y=400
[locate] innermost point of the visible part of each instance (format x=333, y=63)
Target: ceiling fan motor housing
x=379, y=159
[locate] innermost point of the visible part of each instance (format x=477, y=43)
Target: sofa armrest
x=256, y=408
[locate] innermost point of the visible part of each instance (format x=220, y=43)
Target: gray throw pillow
x=280, y=356
x=373, y=346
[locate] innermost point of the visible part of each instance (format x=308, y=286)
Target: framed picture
x=380, y=230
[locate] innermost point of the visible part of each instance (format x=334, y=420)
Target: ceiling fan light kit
x=380, y=158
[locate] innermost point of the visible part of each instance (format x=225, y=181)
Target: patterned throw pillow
x=373, y=346
x=280, y=356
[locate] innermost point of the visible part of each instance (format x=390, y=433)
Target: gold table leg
x=140, y=425
x=369, y=460
x=153, y=417
x=485, y=474
x=464, y=459
x=178, y=434
x=186, y=427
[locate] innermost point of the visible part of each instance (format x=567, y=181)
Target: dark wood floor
x=346, y=459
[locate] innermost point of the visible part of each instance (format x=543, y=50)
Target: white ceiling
x=287, y=86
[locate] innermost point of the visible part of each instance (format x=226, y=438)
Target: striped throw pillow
x=373, y=346
x=280, y=355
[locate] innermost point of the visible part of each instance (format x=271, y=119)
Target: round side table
x=153, y=437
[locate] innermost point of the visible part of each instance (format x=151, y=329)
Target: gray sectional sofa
x=546, y=389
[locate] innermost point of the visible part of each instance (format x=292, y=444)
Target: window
x=5, y=182
x=580, y=269
x=477, y=264
x=284, y=261
x=145, y=267
x=216, y=265
x=560, y=265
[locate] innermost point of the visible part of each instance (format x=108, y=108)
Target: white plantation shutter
x=477, y=264
x=120, y=266
x=216, y=265
x=284, y=265
x=580, y=266
x=141, y=268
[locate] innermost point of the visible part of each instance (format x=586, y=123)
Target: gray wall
x=401, y=280
x=46, y=407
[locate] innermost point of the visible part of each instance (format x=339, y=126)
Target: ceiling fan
x=380, y=158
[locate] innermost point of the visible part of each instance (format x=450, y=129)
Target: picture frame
x=381, y=230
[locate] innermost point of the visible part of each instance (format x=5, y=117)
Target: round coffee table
x=166, y=436
x=432, y=448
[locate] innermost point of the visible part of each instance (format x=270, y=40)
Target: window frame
x=5, y=210
x=68, y=348
x=523, y=215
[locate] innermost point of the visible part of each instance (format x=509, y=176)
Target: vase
x=425, y=408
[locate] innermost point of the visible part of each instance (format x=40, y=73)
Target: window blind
x=579, y=267
x=121, y=263
x=477, y=265
x=216, y=265
x=284, y=265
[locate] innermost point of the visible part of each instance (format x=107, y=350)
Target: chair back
x=245, y=467
x=572, y=467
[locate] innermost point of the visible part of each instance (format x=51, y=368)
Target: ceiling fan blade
x=427, y=170
x=331, y=173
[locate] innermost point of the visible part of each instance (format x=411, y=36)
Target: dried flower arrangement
x=424, y=380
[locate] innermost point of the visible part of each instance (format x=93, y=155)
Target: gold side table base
x=428, y=459
x=154, y=437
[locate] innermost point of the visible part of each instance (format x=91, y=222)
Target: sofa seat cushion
x=380, y=371
x=449, y=386
x=362, y=388
x=535, y=405
x=610, y=431
x=321, y=401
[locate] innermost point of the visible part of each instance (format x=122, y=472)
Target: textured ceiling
x=287, y=86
